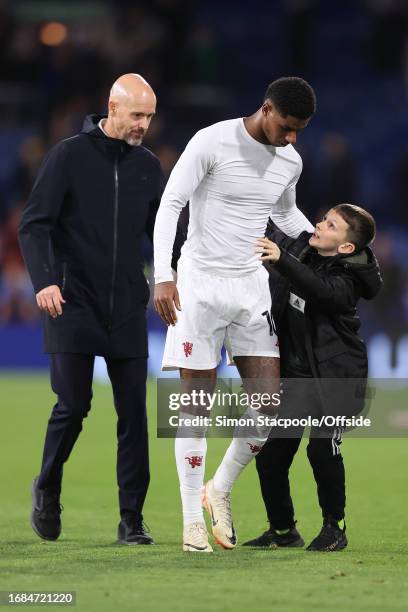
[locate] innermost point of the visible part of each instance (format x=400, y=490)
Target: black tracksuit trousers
x=71, y=380
x=274, y=461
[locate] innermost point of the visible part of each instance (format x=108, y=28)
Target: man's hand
x=166, y=297
x=271, y=251
x=50, y=300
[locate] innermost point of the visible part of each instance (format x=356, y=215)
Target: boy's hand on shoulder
x=269, y=250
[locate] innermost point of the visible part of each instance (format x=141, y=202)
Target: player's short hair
x=361, y=230
x=292, y=96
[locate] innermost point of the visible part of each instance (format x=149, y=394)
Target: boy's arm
x=336, y=294
x=276, y=235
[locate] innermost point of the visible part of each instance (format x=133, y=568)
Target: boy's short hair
x=292, y=96
x=361, y=231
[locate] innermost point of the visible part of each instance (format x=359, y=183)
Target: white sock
x=240, y=452
x=190, y=459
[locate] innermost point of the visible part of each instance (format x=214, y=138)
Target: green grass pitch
x=371, y=574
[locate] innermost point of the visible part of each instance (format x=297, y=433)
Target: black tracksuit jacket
x=82, y=229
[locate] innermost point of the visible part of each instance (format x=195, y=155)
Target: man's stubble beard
x=134, y=142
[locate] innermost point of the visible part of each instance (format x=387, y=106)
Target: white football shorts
x=216, y=311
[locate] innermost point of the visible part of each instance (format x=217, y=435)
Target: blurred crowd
x=208, y=62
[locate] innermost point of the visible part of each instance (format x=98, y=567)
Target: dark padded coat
x=82, y=229
x=331, y=294
x=336, y=354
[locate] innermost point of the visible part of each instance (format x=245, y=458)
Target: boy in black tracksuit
x=320, y=279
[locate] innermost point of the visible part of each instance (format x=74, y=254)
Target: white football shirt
x=233, y=183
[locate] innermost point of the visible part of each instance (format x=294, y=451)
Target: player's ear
x=112, y=107
x=266, y=108
x=347, y=248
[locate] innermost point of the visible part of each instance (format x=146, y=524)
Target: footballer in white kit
x=235, y=175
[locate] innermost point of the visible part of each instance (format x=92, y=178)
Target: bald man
x=81, y=234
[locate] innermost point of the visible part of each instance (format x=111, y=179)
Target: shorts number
x=270, y=321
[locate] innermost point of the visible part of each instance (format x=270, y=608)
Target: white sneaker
x=218, y=506
x=195, y=538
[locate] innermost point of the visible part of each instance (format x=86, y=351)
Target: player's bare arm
x=166, y=301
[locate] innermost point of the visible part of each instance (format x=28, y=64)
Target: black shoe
x=330, y=538
x=45, y=512
x=132, y=531
x=271, y=539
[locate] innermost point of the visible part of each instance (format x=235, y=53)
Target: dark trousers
x=273, y=463
x=71, y=380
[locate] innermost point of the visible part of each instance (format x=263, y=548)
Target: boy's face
x=330, y=236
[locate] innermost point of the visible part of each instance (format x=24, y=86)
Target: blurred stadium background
x=207, y=62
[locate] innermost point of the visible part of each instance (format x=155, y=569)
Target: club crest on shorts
x=195, y=461
x=188, y=348
x=254, y=448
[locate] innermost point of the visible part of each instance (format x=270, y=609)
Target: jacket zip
x=64, y=277
x=115, y=239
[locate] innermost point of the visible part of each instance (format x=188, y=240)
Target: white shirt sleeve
x=194, y=163
x=286, y=215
